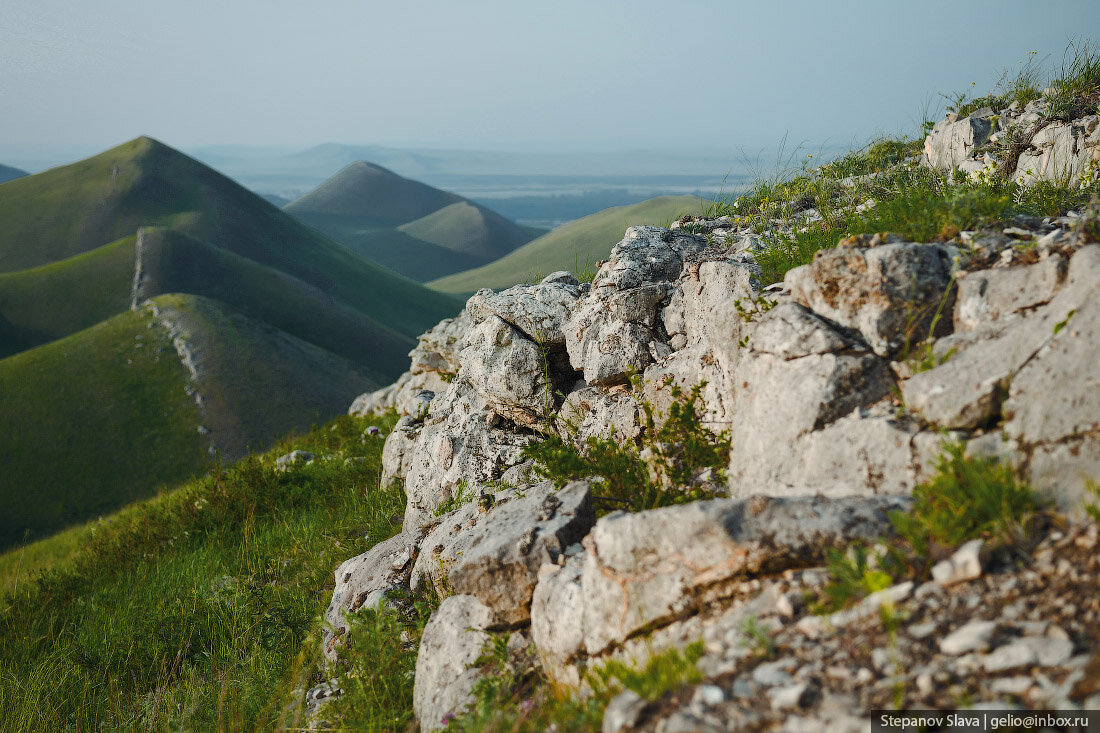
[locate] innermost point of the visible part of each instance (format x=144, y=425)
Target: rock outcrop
x=834, y=416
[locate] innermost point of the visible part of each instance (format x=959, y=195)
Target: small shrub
x=757, y=638
x=968, y=498
x=1093, y=507
x=662, y=472
x=853, y=575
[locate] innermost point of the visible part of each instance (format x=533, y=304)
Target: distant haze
x=565, y=75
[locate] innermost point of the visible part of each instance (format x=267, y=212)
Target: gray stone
x=508, y=371
x=973, y=636
x=557, y=615
x=539, y=311
x=986, y=295
x=293, y=459
x=774, y=674
x=609, y=333
x=1029, y=651
x=623, y=712
x=452, y=642
x=397, y=450
x=597, y=412
x=437, y=349
x=888, y=293
x=462, y=444
x=791, y=696
x=364, y=581
x=647, y=569
x=964, y=564
x=495, y=555
x=953, y=141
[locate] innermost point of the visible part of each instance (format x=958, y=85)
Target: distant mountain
x=574, y=246
x=405, y=225
x=7, y=173
x=272, y=326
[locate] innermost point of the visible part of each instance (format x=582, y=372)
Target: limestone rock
x=952, y=141
x=539, y=311
x=964, y=564
x=986, y=295
x=649, y=568
x=397, y=450
x=887, y=293
x=611, y=330
x=598, y=413
x=495, y=555
x=973, y=636
x=364, y=581
x=437, y=349
x=462, y=443
x=445, y=664
x=293, y=459
x=507, y=371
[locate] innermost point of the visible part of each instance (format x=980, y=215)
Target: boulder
x=614, y=330
x=953, y=140
x=494, y=553
x=446, y=670
x=508, y=371
x=797, y=376
x=889, y=293
x=539, y=311
x=437, y=349
x=398, y=450
x=644, y=570
x=364, y=582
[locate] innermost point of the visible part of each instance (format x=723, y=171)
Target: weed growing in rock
x=968, y=498
x=1093, y=507
x=757, y=638
x=666, y=469
x=516, y=696
x=854, y=574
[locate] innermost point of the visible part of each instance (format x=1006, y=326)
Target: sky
x=509, y=75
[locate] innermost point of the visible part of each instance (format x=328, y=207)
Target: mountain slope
x=104, y=416
x=570, y=247
x=410, y=227
x=66, y=211
x=7, y=173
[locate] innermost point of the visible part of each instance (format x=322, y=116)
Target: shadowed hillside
x=410, y=227
x=7, y=173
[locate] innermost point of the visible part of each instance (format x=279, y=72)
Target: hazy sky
x=555, y=74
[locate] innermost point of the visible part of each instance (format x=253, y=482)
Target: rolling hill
x=573, y=246
x=7, y=173
x=282, y=328
x=407, y=226
x=103, y=417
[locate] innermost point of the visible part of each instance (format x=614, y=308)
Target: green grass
x=570, y=246
x=100, y=418
x=194, y=610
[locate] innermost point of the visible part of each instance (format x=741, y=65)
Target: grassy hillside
x=67, y=211
x=51, y=301
x=102, y=417
x=7, y=173
x=194, y=610
x=571, y=247
x=407, y=226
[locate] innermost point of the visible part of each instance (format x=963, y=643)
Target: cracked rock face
x=614, y=329
x=495, y=553
x=463, y=442
x=506, y=369
x=885, y=292
x=539, y=311
x=638, y=572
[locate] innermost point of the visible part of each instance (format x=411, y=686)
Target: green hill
x=407, y=226
x=102, y=417
x=7, y=173
x=52, y=216
x=570, y=247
